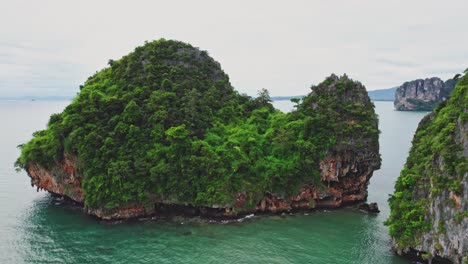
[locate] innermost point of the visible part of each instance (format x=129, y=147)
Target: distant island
x=423, y=94
x=382, y=94
x=37, y=98
x=162, y=130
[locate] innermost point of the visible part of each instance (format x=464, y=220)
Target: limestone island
x=423, y=95
x=162, y=130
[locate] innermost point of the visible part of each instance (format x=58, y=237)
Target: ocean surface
x=36, y=228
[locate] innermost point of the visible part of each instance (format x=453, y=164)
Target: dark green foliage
x=165, y=122
x=421, y=105
x=435, y=164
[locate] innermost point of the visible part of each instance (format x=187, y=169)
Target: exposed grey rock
x=448, y=236
x=422, y=95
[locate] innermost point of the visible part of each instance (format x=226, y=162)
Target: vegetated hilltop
x=429, y=209
x=422, y=95
x=162, y=130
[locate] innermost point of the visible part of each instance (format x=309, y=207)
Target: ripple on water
x=51, y=233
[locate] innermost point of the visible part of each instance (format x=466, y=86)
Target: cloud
x=397, y=63
x=27, y=69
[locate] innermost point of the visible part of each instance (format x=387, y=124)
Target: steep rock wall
x=63, y=179
x=422, y=95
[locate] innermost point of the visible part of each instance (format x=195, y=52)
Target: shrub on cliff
x=165, y=122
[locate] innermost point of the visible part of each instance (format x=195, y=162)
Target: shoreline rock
x=371, y=208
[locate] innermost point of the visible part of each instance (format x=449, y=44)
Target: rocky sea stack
x=429, y=209
x=422, y=95
x=162, y=130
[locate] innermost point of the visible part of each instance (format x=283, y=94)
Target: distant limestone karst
x=422, y=95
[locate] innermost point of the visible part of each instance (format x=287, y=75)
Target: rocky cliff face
x=429, y=217
x=422, y=95
x=63, y=179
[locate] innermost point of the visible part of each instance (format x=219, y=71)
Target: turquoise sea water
x=36, y=228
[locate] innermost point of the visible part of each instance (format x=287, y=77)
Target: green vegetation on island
x=429, y=188
x=165, y=122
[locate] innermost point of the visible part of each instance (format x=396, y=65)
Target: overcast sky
x=51, y=47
